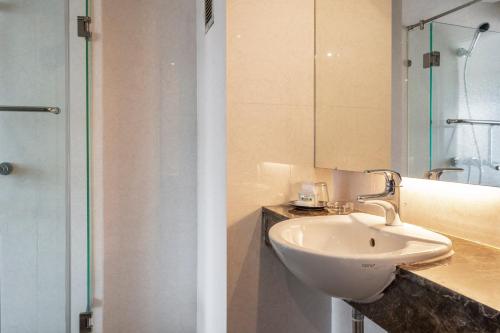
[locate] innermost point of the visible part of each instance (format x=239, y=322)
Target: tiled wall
x=353, y=84
x=33, y=198
x=467, y=211
x=270, y=149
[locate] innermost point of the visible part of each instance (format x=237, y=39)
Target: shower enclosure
x=44, y=230
x=454, y=102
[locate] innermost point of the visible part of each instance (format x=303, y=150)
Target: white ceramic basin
x=353, y=257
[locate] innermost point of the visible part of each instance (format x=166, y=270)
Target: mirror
x=353, y=84
x=453, y=92
x=428, y=100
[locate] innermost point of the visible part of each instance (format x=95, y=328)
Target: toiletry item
x=307, y=194
x=306, y=197
x=312, y=196
x=322, y=193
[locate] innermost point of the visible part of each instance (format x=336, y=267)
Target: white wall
x=211, y=66
x=145, y=166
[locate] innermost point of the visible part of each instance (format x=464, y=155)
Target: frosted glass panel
x=33, y=199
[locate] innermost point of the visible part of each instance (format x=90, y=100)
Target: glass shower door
x=34, y=216
x=454, y=105
x=466, y=87
x=418, y=94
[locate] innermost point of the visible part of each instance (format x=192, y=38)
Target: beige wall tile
x=355, y=140
x=353, y=84
x=270, y=151
x=466, y=211
x=270, y=49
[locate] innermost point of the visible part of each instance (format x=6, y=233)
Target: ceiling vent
x=209, y=14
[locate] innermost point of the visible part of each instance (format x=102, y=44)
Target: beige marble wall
x=270, y=128
x=466, y=211
x=353, y=84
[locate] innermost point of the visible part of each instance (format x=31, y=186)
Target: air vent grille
x=209, y=14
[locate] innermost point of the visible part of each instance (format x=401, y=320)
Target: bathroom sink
x=354, y=256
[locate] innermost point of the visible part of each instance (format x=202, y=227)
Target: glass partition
x=466, y=87
x=454, y=105
x=419, y=133
x=35, y=178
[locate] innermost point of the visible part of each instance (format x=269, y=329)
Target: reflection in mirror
x=453, y=91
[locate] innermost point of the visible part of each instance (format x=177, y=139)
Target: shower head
x=481, y=29
x=484, y=27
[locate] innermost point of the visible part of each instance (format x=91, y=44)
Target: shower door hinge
x=84, y=27
x=86, y=322
x=432, y=59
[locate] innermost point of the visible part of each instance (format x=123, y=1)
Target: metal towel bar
x=473, y=122
x=50, y=109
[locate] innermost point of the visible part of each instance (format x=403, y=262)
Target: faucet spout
x=389, y=198
x=391, y=217
x=365, y=197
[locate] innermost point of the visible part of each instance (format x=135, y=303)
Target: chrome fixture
x=474, y=162
x=432, y=59
x=86, y=322
x=481, y=29
x=6, y=168
x=83, y=27
x=50, y=109
x=461, y=52
x=358, y=321
x=422, y=23
x=435, y=174
x=473, y=122
x=389, y=199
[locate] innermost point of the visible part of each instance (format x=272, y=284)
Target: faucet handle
x=390, y=175
x=435, y=174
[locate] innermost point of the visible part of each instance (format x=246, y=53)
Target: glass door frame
x=79, y=165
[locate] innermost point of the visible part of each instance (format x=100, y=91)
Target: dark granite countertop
x=459, y=294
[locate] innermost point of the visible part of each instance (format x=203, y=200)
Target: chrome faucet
x=435, y=174
x=389, y=199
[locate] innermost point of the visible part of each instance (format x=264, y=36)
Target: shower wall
x=33, y=199
x=463, y=145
